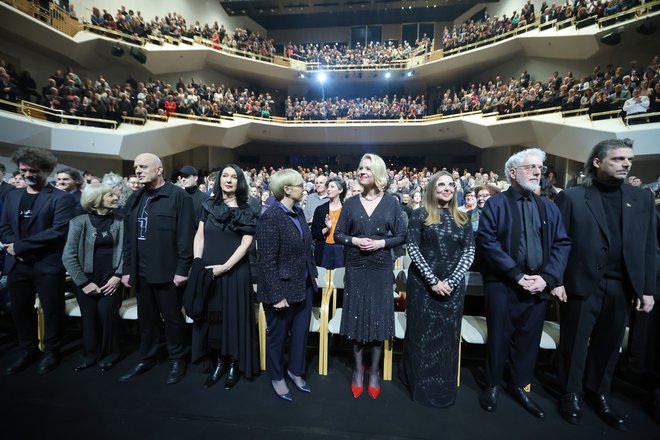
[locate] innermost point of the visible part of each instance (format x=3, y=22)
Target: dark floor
x=91, y=404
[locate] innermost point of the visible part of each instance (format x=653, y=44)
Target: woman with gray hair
x=93, y=257
x=369, y=227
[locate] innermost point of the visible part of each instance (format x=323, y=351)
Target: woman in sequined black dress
x=370, y=225
x=441, y=246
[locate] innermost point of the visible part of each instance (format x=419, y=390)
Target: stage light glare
x=387, y=75
x=322, y=77
x=409, y=74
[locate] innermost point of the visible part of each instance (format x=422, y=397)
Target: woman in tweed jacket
x=93, y=257
x=286, y=280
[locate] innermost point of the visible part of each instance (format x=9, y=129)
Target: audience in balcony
x=298, y=109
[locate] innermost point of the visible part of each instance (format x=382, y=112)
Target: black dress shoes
x=234, y=375
x=22, y=361
x=601, y=404
x=488, y=399
x=522, y=396
x=84, y=365
x=220, y=369
x=177, y=371
x=48, y=362
x=138, y=370
x=569, y=408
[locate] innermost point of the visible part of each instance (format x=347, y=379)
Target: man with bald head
x=157, y=257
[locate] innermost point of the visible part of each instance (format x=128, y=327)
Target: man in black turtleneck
x=612, y=261
x=188, y=176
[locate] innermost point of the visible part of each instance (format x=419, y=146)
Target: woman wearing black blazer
x=327, y=253
x=286, y=282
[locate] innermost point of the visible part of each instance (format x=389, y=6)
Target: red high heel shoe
x=373, y=392
x=357, y=391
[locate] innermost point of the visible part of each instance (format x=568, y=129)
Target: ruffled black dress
x=230, y=326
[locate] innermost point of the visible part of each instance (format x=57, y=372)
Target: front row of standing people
x=595, y=251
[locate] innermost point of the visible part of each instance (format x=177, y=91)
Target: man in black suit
x=188, y=177
x=612, y=262
x=33, y=227
x=524, y=248
x=4, y=186
x=157, y=257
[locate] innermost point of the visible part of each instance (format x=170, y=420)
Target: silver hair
x=116, y=181
x=515, y=160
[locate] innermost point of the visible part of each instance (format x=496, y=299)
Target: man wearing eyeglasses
x=524, y=249
x=612, y=263
x=33, y=228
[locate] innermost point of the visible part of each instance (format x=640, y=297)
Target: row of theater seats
x=326, y=319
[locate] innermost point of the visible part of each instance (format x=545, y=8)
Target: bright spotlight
x=322, y=77
x=409, y=74
x=301, y=75
x=387, y=75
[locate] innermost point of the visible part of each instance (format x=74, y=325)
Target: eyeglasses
x=531, y=167
x=451, y=185
x=300, y=185
x=483, y=196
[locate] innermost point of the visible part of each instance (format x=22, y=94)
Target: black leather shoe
x=569, y=408
x=22, y=361
x=138, y=370
x=48, y=362
x=522, y=396
x=234, y=375
x=220, y=369
x=84, y=365
x=177, y=372
x=488, y=399
x=601, y=404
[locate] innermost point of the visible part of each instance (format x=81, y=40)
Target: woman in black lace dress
x=441, y=246
x=227, y=333
x=370, y=225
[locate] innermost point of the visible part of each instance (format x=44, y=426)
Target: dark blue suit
x=40, y=249
x=514, y=316
x=286, y=270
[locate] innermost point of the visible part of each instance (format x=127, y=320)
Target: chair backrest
x=338, y=278
x=323, y=277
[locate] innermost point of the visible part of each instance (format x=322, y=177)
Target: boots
x=220, y=369
x=234, y=375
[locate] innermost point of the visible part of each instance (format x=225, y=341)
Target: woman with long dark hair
x=441, y=247
x=327, y=253
x=226, y=333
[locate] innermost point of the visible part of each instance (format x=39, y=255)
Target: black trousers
x=101, y=325
x=155, y=301
x=294, y=319
x=515, y=323
x=23, y=283
x=592, y=330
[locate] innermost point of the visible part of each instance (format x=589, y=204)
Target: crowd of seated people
x=174, y=25
x=298, y=109
x=601, y=91
x=340, y=54
x=71, y=95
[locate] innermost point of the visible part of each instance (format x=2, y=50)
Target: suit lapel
x=595, y=205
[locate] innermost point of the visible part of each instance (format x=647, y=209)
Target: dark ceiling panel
x=295, y=14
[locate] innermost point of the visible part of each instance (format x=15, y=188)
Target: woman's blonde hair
x=92, y=196
x=430, y=203
x=282, y=178
x=378, y=169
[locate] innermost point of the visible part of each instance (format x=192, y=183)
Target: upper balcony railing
x=60, y=20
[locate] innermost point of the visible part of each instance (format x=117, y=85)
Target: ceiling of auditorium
x=292, y=14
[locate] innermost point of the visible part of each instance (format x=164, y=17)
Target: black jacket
x=285, y=259
x=169, y=235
